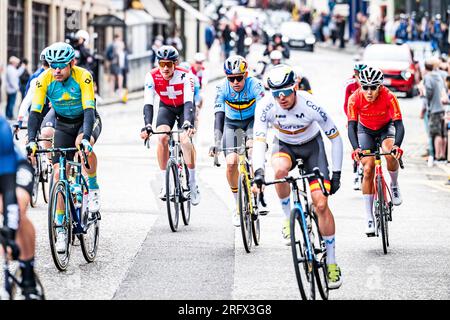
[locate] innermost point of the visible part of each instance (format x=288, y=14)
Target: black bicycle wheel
x=36, y=181
x=382, y=215
x=321, y=271
x=244, y=212
x=304, y=268
x=15, y=286
x=172, y=195
x=186, y=197
x=256, y=227
x=59, y=195
x=46, y=174
x=89, y=240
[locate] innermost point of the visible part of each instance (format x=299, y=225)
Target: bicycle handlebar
x=289, y=179
x=65, y=150
x=373, y=154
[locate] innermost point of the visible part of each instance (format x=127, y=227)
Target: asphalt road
x=140, y=258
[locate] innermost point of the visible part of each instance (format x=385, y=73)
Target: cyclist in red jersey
x=351, y=86
x=373, y=111
x=175, y=88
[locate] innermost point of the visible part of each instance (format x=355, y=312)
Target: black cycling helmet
x=167, y=53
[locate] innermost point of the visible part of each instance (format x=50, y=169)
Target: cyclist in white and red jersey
x=175, y=88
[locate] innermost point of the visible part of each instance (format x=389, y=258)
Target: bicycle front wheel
x=382, y=214
x=15, y=286
x=58, y=199
x=185, y=195
x=303, y=261
x=320, y=269
x=256, y=227
x=172, y=195
x=89, y=240
x=245, y=213
x=36, y=181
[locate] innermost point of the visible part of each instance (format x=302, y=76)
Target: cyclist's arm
x=149, y=97
x=38, y=102
x=219, y=115
x=352, y=115
x=189, y=107
x=88, y=101
x=331, y=131
x=348, y=93
x=260, y=126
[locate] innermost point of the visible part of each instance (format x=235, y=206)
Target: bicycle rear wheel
x=245, y=213
x=59, y=194
x=185, y=195
x=89, y=240
x=304, y=267
x=382, y=214
x=172, y=195
x=321, y=270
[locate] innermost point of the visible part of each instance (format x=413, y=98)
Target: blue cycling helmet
x=167, y=53
x=235, y=65
x=60, y=52
x=42, y=55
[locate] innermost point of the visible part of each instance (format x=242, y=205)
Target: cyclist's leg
x=165, y=122
x=283, y=159
x=229, y=141
x=26, y=235
x=48, y=129
x=387, y=138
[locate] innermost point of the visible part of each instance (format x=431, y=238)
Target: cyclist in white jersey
x=298, y=118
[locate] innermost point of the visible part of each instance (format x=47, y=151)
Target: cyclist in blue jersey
x=234, y=112
x=16, y=187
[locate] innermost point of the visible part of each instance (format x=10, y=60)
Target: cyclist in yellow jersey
x=70, y=90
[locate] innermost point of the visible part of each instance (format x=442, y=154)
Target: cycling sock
x=330, y=245
x=92, y=181
x=286, y=206
x=394, y=177
x=27, y=269
x=368, y=200
x=60, y=217
x=192, y=181
x=234, y=191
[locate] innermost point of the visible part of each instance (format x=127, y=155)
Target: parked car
x=397, y=63
x=298, y=35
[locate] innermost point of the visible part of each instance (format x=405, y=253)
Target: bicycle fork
x=309, y=251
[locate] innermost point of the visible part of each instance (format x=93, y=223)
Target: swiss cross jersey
x=350, y=87
x=374, y=115
x=238, y=105
x=174, y=92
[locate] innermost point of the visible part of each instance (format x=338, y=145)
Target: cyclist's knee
x=281, y=173
x=23, y=200
x=47, y=132
x=163, y=140
x=321, y=205
x=232, y=159
x=232, y=167
x=369, y=171
x=185, y=141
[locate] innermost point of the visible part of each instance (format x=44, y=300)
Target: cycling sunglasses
x=60, y=65
x=373, y=88
x=284, y=92
x=163, y=64
x=233, y=79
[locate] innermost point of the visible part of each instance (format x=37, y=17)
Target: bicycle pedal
x=370, y=235
x=263, y=212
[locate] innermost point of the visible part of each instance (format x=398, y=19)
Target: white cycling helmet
x=235, y=65
x=371, y=77
x=280, y=76
x=83, y=34
x=199, y=57
x=276, y=55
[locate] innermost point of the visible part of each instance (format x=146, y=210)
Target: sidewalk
x=214, y=67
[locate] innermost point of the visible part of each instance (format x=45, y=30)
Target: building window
x=40, y=31
x=15, y=28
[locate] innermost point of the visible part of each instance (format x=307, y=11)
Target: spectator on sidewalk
x=13, y=73
x=118, y=65
x=23, y=79
x=210, y=36
x=340, y=25
x=226, y=39
x=241, y=35
x=85, y=59
x=157, y=43
x=434, y=89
